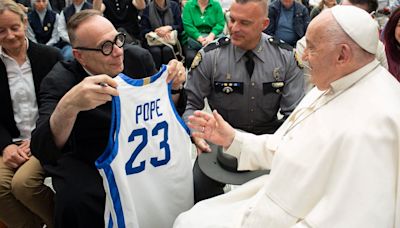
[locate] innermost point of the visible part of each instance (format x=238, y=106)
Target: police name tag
x=278, y=84
x=273, y=87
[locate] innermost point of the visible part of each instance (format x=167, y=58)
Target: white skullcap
x=359, y=25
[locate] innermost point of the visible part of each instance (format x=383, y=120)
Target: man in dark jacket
x=74, y=121
x=288, y=20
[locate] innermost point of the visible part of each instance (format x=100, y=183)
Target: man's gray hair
x=77, y=19
x=264, y=4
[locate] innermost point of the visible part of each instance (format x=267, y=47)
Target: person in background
x=368, y=5
x=24, y=199
x=75, y=118
x=203, y=21
x=289, y=20
x=124, y=15
x=162, y=17
x=59, y=5
x=307, y=4
x=392, y=43
x=335, y=161
x=249, y=99
x=43, y=24
x=394, y=5
x=26, y=5
x=65, y=15
x=323, y=4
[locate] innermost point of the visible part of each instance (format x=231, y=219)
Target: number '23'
x=162, y=126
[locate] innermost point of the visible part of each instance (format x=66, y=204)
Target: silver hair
x=48, y=4
x=263, y=2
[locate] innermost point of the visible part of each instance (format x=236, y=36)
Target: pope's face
x=320, y=55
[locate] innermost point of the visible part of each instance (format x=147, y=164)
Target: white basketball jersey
x=146, y=167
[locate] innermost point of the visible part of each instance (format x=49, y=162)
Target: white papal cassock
x=334, y=163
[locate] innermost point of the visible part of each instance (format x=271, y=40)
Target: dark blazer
x=90, y=133
x=57, y=5
x=42, y=59
x=70, y=10
x=42, y=31
x=301, y=18
x=145, y=24
x=74, y=175
x=123, y=14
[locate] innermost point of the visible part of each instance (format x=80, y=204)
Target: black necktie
x=249, y=62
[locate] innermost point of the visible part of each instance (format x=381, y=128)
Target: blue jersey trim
x=112, y=148
x=104, y=161
x=177, y=116
x=116, y=199
x=140, y=82
x=110, y=222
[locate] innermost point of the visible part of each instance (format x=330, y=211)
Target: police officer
x=247, y=78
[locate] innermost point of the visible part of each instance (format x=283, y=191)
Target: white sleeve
x=54, y=35
x=361, y=190
x=381, y=55
x=62, y=28
x=251, y=151
x=30, y=34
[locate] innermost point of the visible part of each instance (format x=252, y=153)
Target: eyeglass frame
x=106, y=42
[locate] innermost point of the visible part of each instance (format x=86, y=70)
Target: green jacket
x=195, y=23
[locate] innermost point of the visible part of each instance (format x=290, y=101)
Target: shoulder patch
x=298, y=60
x=223, y=41
x=196, y=61
x=280, y=43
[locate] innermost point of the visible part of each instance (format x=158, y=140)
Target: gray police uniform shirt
x=251, y=104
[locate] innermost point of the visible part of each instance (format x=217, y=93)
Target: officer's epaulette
x=280, y=43
x=223, y=41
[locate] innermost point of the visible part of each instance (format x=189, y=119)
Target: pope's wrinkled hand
x=211, y=127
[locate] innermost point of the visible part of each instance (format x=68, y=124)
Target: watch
x=177, y=91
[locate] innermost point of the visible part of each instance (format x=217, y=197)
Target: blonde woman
x=24, y=200
x=323, y=4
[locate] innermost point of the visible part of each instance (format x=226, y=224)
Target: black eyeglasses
x=108, y=46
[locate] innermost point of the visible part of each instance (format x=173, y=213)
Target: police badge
x=298, y=60
x=196, y=60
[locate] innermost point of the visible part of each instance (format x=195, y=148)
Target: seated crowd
x=254, y=62
x=181, y=28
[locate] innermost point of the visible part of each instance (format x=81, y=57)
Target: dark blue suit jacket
x=42, y=59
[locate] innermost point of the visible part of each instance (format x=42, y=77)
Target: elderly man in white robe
x=335, y=161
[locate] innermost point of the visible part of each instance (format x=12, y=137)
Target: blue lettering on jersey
x=147, y=110
x=129, y=168
x=163, y=144
x=160, y=127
